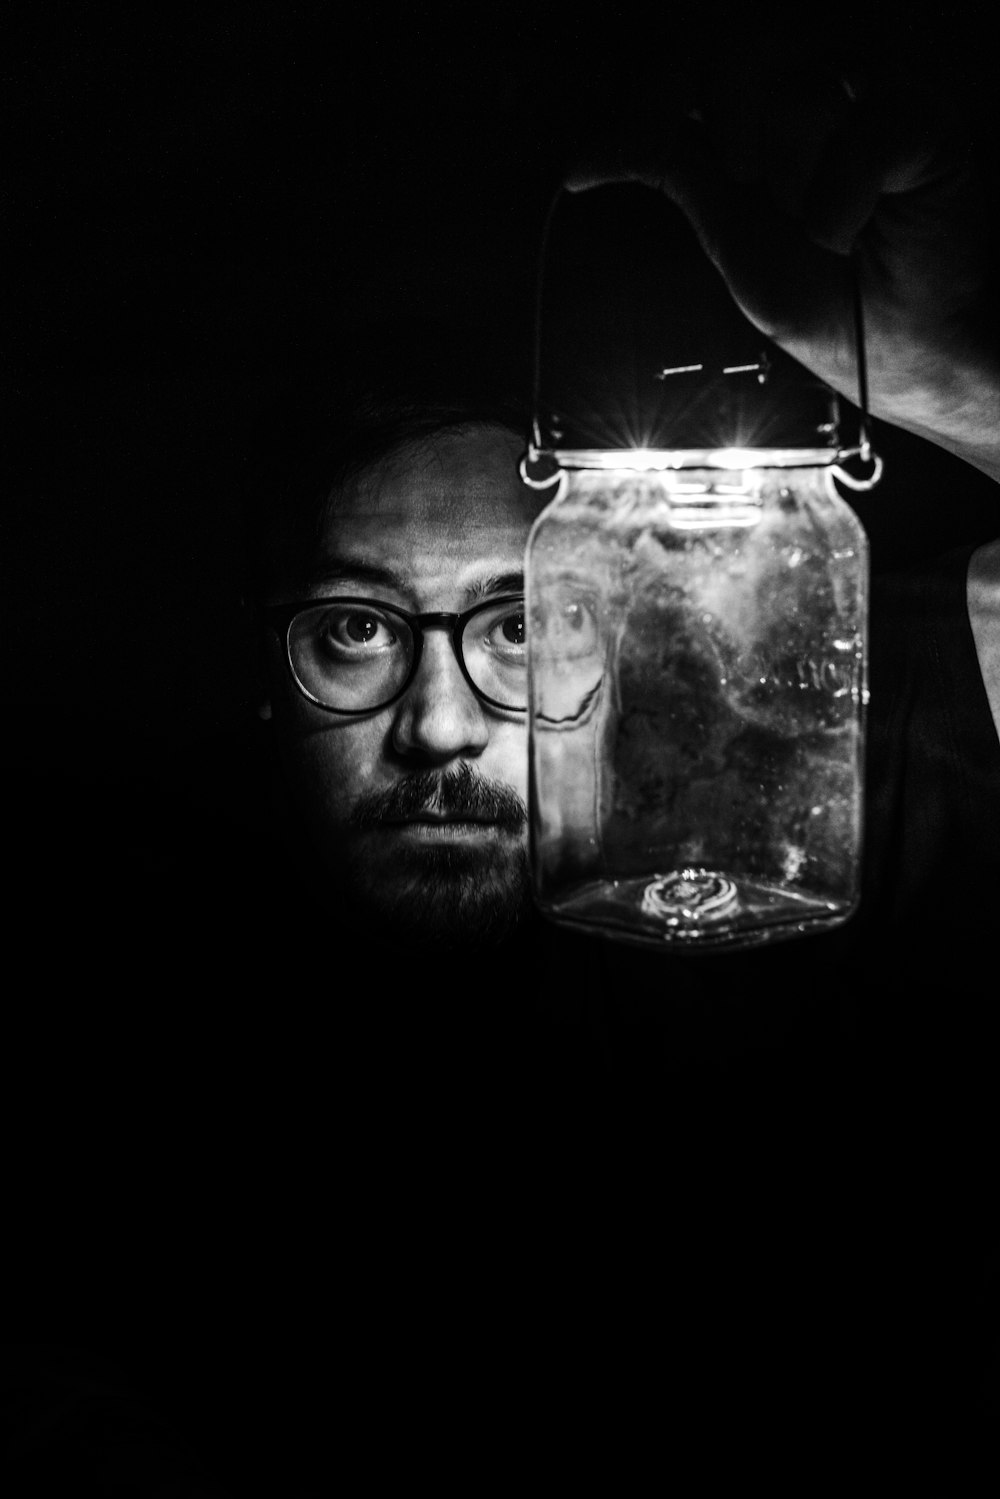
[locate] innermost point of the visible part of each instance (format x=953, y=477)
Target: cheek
x=506, y=758
x=328, y=765
x=335, y=765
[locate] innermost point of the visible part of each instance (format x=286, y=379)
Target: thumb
x=790, y=287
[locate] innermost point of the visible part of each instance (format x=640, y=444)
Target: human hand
x=796, y=176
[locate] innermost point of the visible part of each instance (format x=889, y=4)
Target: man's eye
x=575, y=626
x=576, y=619
x=567, y=626
x=356, y=630
x=509, y=632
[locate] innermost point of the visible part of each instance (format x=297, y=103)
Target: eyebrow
x=340, y=569
x=347, y=569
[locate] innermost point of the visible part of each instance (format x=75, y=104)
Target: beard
x=440, y=897
x=450, y=898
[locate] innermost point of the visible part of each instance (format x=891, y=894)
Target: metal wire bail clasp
x=539, y=468
x=864, y=449
x=793, y=421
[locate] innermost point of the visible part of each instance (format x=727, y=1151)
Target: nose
x=439, y=718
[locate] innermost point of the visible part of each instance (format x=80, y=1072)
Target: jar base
x=698, y=910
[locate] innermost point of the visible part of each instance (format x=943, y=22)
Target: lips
x=440, y=819
x=443, y=827
x=431, y=827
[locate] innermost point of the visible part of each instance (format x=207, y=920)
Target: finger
x=770, y=88
x=889, y=148
x=804, y=117
x=774, y=273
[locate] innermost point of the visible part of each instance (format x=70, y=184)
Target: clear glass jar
x=697, y=666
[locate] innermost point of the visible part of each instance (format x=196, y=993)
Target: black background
x=203, y=199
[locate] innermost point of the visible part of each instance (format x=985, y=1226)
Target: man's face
x=418, y=809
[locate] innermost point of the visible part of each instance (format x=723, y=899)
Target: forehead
x=456, y=497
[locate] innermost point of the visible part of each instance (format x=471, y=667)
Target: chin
x=448, y=898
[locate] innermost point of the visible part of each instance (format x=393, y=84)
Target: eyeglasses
x=354, y=655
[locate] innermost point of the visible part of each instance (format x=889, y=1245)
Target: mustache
x=461, y=792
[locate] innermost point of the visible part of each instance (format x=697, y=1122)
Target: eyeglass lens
x=355, y=657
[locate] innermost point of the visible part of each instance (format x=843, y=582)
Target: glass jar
x=697, y=637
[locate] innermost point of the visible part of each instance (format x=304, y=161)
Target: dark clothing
x=318, y=1201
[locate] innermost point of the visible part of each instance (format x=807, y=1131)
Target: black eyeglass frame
x=282, y=616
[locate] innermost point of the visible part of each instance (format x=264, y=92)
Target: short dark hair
x=387, y=385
